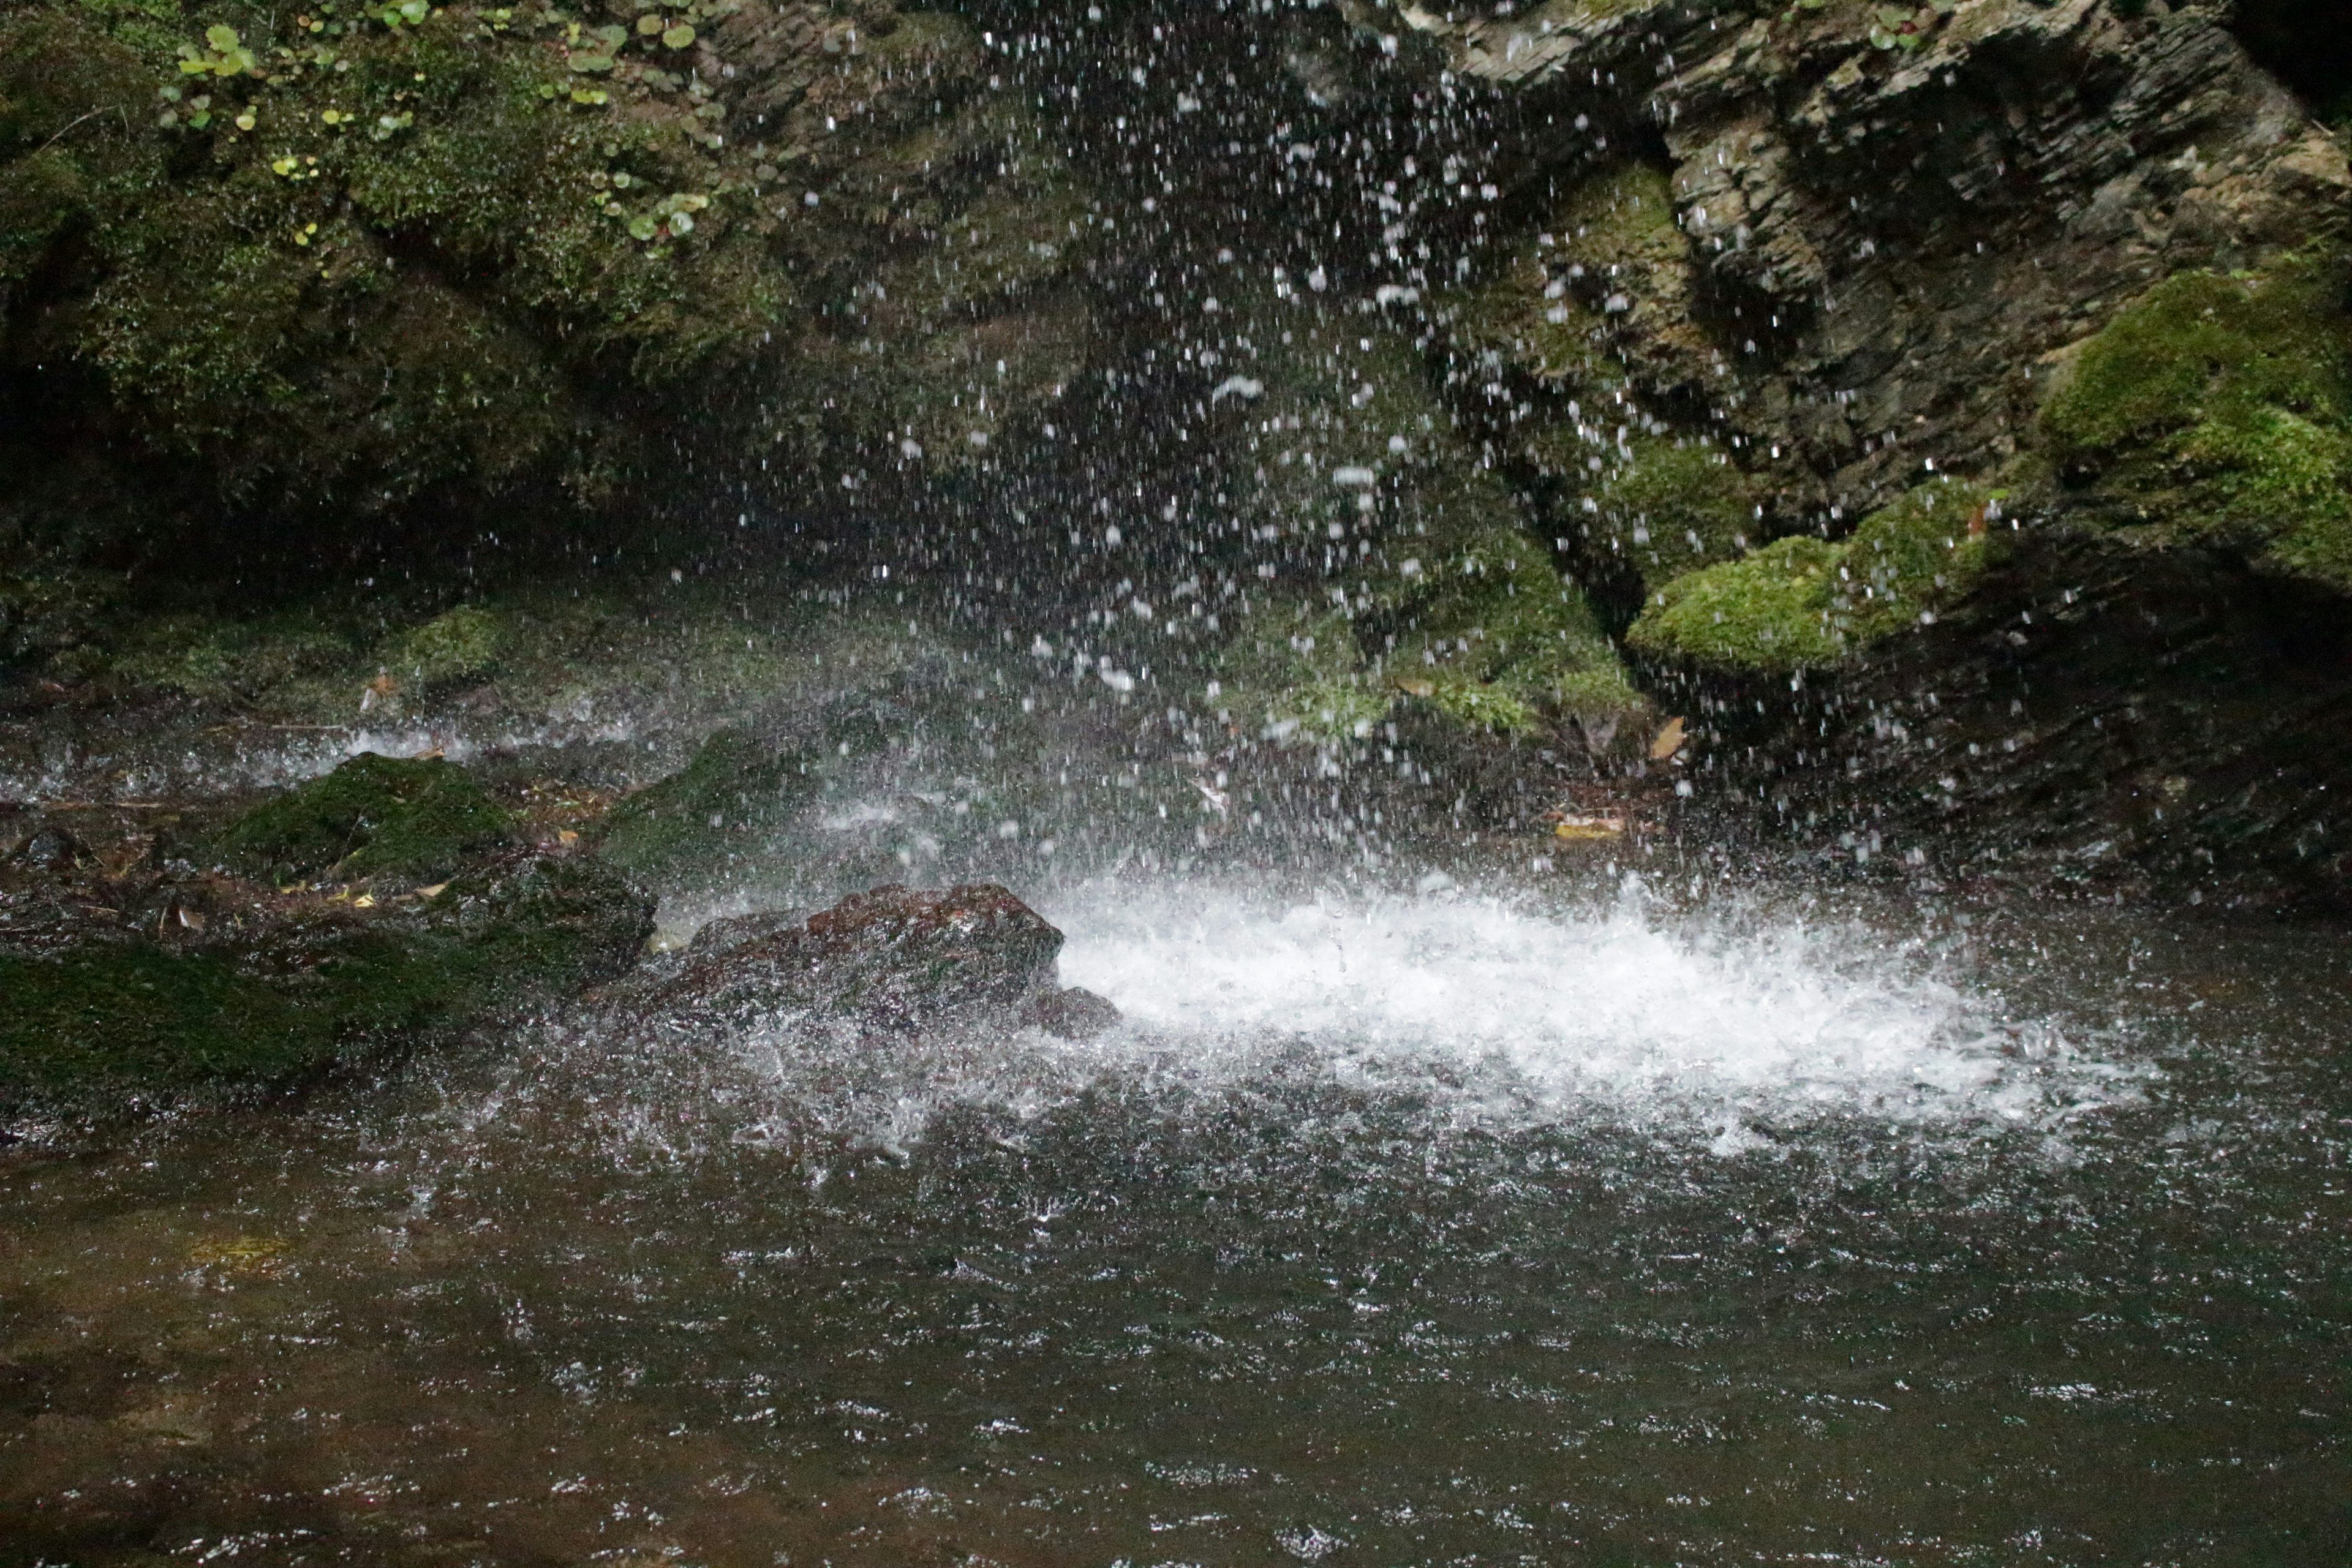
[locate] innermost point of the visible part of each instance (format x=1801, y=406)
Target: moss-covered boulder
x=2217, y=409
x=1806, y=603
x=154, y=987
x=415, y=819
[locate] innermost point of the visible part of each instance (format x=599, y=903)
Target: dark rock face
x=124, y=985
x=893, y=959
x=1876, y=246
x=2175, y=727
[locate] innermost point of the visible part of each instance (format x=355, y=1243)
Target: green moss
x=1768, y=612
x=460, y=645
x=112, y=1021
x=1804, y=603
x=2220, y=408
x=227, y=660
x=371, y=817
x=1676, y=506
x=737, y=783
x=136, y=1017
x=1925, y=550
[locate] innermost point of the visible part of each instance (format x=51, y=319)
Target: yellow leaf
x=1412, y=687
x=1669, y=740
x=435, y=891
x=1587, y=828
x=565, y=836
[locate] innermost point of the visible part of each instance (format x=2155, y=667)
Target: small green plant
x=1908, y=28
x=221, y=54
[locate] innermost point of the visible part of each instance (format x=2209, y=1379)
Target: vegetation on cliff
x=1804, y=602
x=2217, y=409
x=338, y=263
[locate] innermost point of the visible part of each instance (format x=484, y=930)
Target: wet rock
x=147, y=984
x=895, y=959
x=51, y=848
x=732, y=931
x=415, y=818
x=1073, y=1013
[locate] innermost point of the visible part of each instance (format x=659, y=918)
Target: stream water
x=1534, y=1220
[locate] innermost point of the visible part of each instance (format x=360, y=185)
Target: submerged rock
x=894, y=958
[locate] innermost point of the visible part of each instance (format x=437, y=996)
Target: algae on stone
x=2220, y=408
x=1804, y=603
x=121, y=1021
x=374, y=815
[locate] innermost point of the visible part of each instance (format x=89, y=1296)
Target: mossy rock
x=1675, y=507
x=2219, y=410
x=461, y=645
x=132, y=1017
x=740, y=792
x=117, y=1023
x=1804, y=603
x=373, y=816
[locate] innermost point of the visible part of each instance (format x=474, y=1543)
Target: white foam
x=1619, y=1012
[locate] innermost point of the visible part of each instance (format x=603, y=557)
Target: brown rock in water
x=895, y=958
x=1074, y=1013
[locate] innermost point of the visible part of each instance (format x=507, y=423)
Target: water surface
x=1426, y=1226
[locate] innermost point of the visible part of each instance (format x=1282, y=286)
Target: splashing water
x=1472, y=1012
x=1617, y=1013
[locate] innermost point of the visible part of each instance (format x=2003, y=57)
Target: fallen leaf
x=565, y=836
x=1976, y=522
x=1669, y=740
x=364, y=901
x=1587, y=828
x=435, y=891
x=1412, y=688
x=432, y=755
x=383, y=685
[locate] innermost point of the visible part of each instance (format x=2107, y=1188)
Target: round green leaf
x=678, y=37
x=649, y=23
x=221, y=36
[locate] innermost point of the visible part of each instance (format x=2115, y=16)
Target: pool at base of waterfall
x=1440, y=1224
